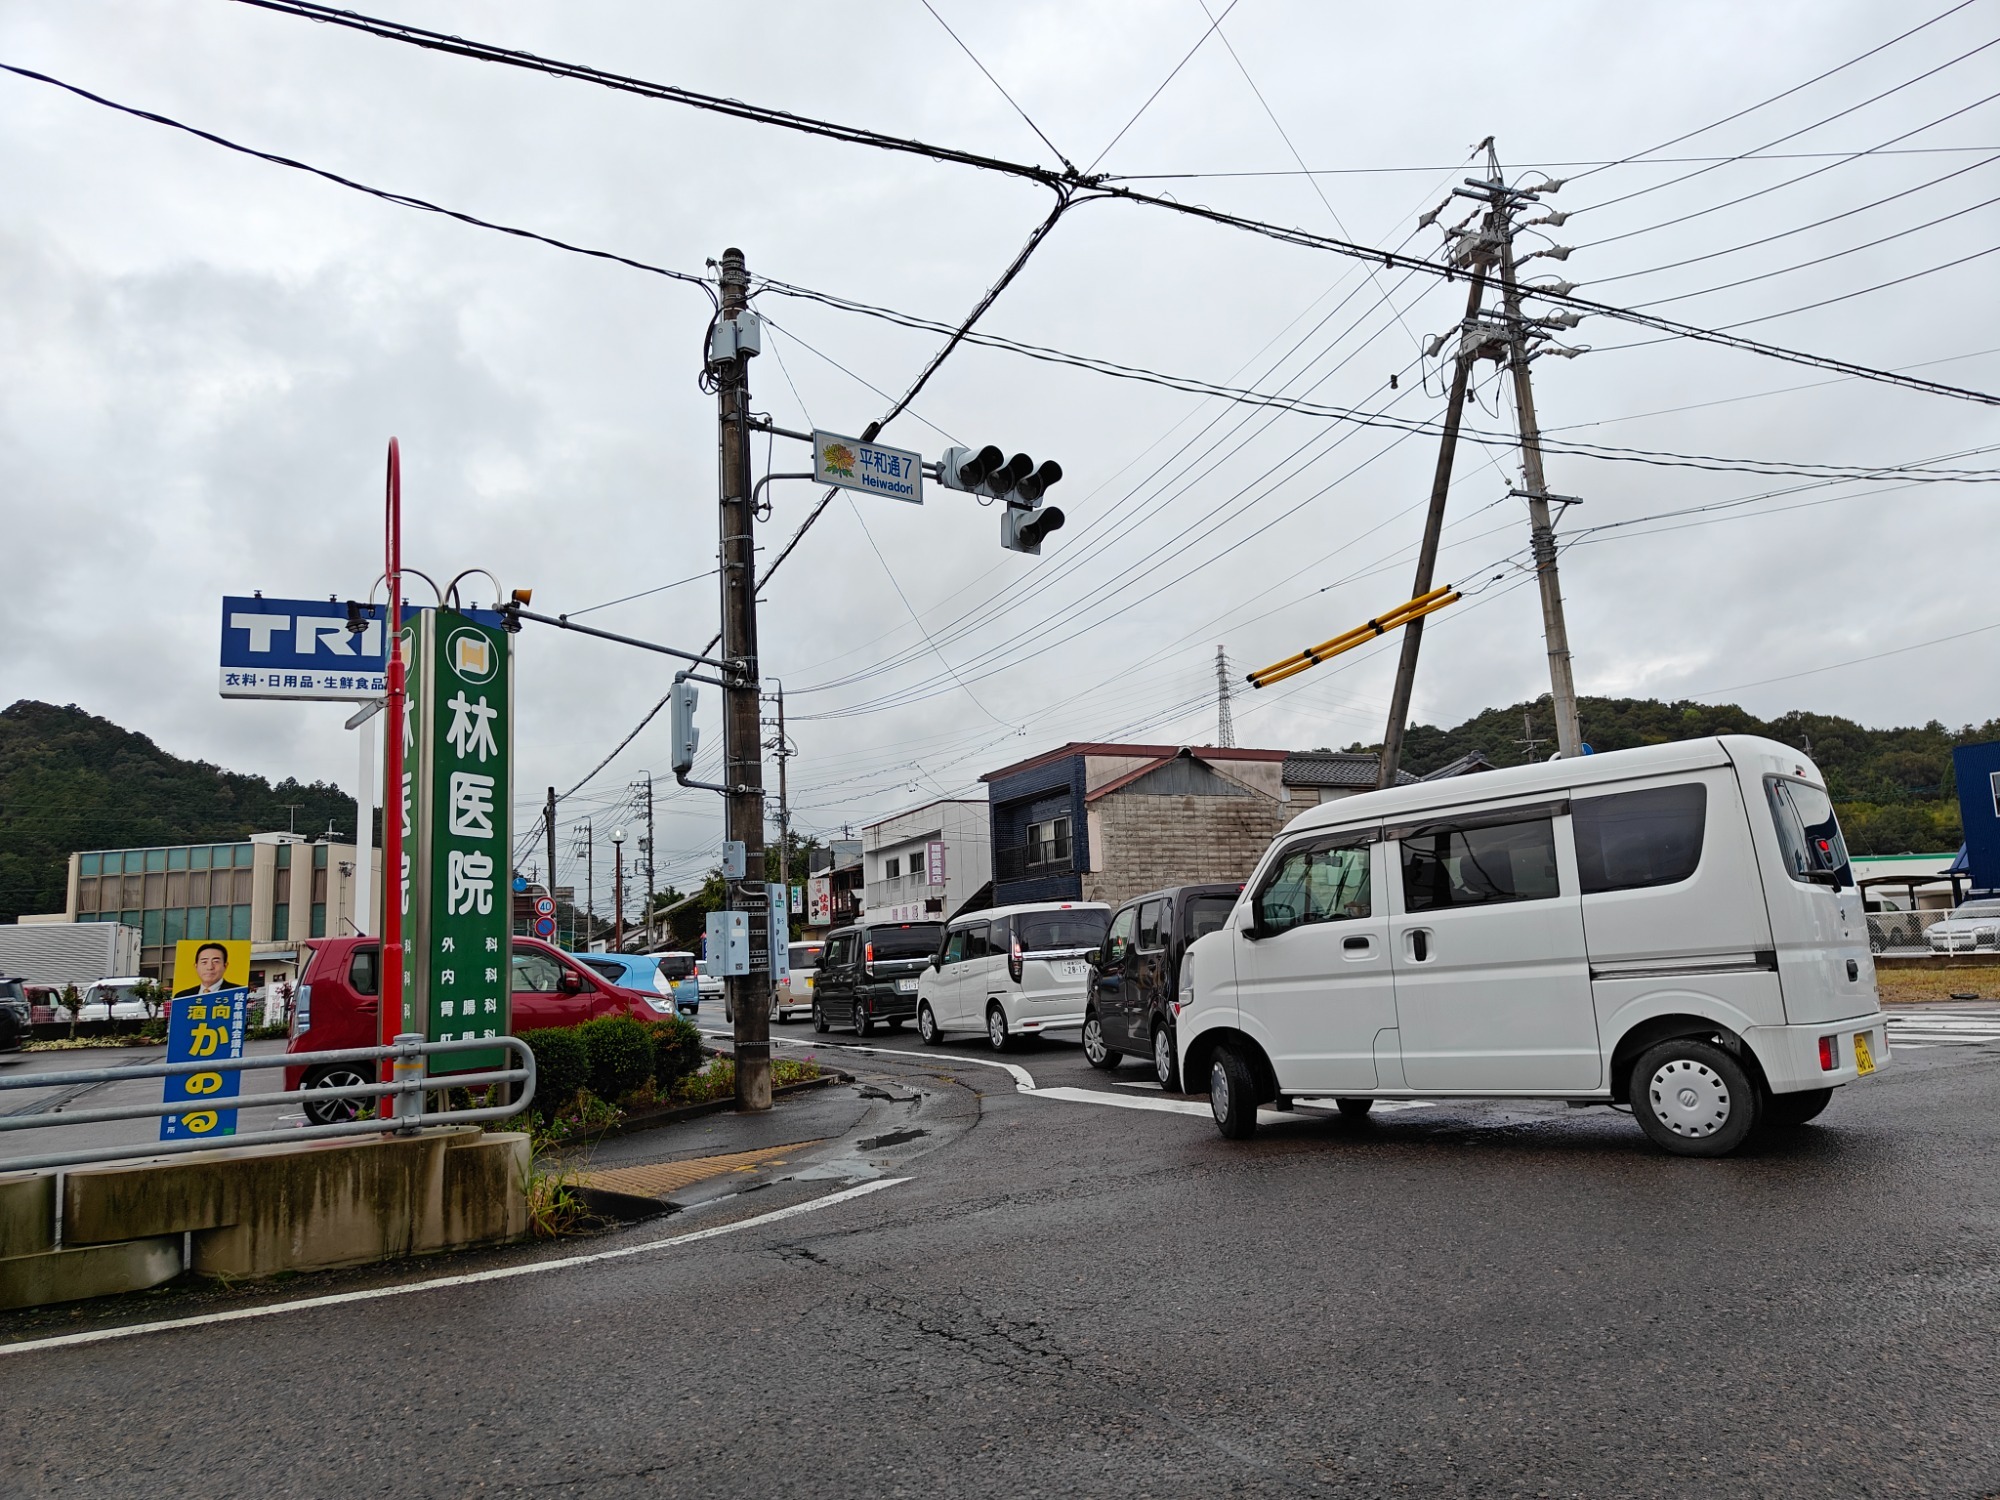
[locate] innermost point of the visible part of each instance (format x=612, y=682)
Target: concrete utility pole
x=650, y=856
x=589, y=889
x=782, y=749
x=742, y=733
x=1413, y=633
x=618, y=890
x=1542, y=539
x=549, y=830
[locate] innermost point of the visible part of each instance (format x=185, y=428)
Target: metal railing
x=403, y=1096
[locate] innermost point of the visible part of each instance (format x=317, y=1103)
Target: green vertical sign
x=457, y=797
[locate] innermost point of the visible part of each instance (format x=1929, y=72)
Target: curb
x=655, y=1119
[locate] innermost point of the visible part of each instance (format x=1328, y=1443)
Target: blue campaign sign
x=303, y=648
x=201, y=1027
x=1978, y=770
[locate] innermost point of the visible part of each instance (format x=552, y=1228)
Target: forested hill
x=1894, y=787
x=70, y=780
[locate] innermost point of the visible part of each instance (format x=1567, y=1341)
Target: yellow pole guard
x=1312, y=656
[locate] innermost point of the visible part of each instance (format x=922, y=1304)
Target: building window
x=151, y=929
x=318, y=919
x=177, y=859
x=198, y=858
x=284, y=856
x=239, y=923
x=281, y=922
x=916, y=864
x=156, y=859
x=1048, y=842
x=319, y=856
x=891, y=868
x=89, y=864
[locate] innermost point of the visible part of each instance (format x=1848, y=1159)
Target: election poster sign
x=205, y=1020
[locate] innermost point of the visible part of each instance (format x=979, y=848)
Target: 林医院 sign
x=868, y=467
x=302, y=648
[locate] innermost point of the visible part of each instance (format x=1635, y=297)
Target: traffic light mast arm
x=515, y=612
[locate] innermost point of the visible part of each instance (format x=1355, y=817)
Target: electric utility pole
x=589, y=889
x=649, y=858
x=742, y=733
x=549, y=828
x=1469, y=346
x=1542, y=539
x=782, y=749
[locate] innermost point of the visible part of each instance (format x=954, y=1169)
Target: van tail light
x=868, y=958
x=1829, y=1054
x=1014, y=960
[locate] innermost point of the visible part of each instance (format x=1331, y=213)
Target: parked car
x=1674, y=928
x=16, y=1016
x=337, y=1005
x=1012, y=971
x=1970, y=927
x=638, y=971
x=116, y=1000
x=796, y=993
x=867, y=974
x=1135, y=979
x=710, y=986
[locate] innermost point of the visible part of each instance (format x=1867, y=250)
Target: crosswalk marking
x=1933, y=1028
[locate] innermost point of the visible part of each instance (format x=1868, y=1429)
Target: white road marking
x=1943, y=1028
x=470, y=1278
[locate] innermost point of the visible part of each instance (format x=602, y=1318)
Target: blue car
x=650, y=974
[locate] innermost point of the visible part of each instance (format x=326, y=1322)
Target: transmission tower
x=1225, y=727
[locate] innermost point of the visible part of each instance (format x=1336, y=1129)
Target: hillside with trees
x=70, y=780
x=1894, y=788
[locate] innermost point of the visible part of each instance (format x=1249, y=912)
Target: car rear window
x=1207, y=914
x=805, y=955
x=362, y=971
x=1630, y=840
x=1808, y=832
x=677, y=965
x=1046, y=931
x=908, y=940
x=611, y=971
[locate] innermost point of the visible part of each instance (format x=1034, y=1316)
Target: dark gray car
x=868, y=974
x=1135, y=976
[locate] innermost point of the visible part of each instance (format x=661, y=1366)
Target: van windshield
x=1051, y=931
x=1808, y=832
x=916, y=940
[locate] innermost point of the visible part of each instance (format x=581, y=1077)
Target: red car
x=336, y=1007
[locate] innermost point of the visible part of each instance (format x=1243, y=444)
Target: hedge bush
x=676, y=1051
x=562, y=1066
x=620, y=1050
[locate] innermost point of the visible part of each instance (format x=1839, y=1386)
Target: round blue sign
x=520, y=884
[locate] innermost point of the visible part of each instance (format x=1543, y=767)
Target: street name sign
x=869, y=467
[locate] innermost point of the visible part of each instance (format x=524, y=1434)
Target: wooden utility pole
x=549, y=828
x=742, y=731
x=618, y=891
x=1413, y=633
x=783, y=750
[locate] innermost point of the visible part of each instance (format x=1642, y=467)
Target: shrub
x=620, y=1051
x=562, y=1066
x=676, y=1051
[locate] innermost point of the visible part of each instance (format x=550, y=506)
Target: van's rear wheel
x=1232, y=1095
x=927, y=1026
x=1693, y=1098
x=1096, y=1051
x=996, y=1028
x=820, y=1022
x=337, y=1076
x=1783, y=1110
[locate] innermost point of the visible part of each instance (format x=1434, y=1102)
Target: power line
x=1850, y=662
x=997, y=84
x=1530, y=166
x=1212, y=25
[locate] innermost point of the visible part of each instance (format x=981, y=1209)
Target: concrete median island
x=256, y=1211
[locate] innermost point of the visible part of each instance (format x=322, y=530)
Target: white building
x=924, y=864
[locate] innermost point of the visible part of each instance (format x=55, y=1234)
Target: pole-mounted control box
x=741, y=334
x=728, y=943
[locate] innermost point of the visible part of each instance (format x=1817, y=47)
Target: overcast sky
x=202, y=357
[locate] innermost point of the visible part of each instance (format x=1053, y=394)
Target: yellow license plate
x=1864, y=1061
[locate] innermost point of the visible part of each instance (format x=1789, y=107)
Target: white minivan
x=1012, y=971
x=1673, y=927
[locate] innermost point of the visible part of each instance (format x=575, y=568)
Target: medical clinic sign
x=457, y=748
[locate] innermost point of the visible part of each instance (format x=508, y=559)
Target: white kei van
x=1673, y=927
x=1012, y=971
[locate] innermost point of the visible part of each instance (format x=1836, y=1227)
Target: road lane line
x=470, y=1278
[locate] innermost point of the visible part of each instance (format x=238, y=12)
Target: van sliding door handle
x=1419, y=942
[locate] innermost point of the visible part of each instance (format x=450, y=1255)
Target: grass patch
x=1920, y=986
x=86, y=1043
x=718, y=1079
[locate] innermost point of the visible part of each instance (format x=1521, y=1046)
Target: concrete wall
x=1144, y=842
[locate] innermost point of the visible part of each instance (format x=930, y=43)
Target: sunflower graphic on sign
x=839, y=459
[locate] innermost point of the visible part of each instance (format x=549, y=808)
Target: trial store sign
x=456, y=797
x=301, y=648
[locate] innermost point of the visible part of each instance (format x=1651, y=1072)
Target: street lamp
x=618, y=890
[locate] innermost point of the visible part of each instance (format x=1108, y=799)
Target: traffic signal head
x=988, y=471
x=1022, y=528
x=1032, y=486
x=682, y=735
x=964, y=469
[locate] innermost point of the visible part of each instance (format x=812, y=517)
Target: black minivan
x=1135, y=976
x=868, y=974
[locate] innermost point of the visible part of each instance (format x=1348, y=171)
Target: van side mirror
x=937, y=960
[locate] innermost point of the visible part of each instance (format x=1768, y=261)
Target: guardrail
x=404, y=1096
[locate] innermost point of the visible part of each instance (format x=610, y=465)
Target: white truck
x=77, y=953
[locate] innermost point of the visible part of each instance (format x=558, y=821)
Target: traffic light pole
x=742, y=734
x=1413, y=633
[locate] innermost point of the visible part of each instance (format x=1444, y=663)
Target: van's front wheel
x=1693, y=1098
x=1232, y=1095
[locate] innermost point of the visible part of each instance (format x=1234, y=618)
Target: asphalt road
x=1043, y=1293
